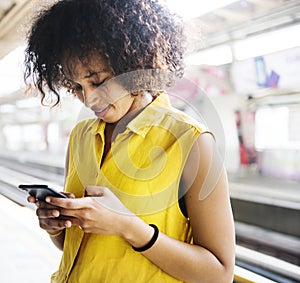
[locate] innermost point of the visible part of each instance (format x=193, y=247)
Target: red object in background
x=243, y=155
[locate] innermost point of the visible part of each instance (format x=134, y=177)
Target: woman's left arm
x=211, y=257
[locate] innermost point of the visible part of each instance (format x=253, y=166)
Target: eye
x=76, y=90
x=97, y=84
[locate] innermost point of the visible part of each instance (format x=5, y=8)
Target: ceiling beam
x=11, y=26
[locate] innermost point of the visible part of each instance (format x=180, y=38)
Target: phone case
x=40, y=192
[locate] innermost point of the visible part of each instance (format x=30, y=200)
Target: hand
x=100, y=212
x=50, y=218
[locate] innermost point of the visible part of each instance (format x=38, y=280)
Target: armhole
x=181, y=198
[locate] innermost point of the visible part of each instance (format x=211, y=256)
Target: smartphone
x=40, y=192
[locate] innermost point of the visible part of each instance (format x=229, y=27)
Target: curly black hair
x=131, y=34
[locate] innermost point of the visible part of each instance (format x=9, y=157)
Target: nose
x=90, y=97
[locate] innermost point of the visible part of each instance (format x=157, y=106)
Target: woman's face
x=93, y=83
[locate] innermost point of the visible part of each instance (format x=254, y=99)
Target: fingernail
x=48, y=199
x=68, y=224
x=37, y=204
x=55, y=213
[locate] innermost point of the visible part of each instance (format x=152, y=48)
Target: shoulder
x=178, y=119
x=161, y=112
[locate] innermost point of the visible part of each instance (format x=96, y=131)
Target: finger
x=65, y=217
x=31, y=199
x=74, y=222
x=67, y=203
x=69, y=195
x=70, y=213
x=94, y=191
x=45, y=205
x=47, y=213
x=50, y=224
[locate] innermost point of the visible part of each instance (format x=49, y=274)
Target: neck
x=139, y=103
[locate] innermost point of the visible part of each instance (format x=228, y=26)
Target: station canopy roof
x=209, y=24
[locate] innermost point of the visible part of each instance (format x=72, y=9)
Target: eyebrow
x=91, y=74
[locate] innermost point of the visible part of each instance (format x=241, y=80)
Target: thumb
x=91, y=191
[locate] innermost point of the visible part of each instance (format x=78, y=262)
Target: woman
x=148, y=195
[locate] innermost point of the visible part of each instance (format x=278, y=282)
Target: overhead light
x=189, y=9
x=6, y=4
x=215, y=56
x=267, y=43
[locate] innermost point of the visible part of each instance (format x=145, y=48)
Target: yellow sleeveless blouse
x=143, y=169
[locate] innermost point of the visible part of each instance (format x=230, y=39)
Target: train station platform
x=267, y=202
x=276, y=190
x=27, y=254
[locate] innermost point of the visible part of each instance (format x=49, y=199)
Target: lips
x=102, y=112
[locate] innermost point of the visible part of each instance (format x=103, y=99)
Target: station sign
x=276, y=70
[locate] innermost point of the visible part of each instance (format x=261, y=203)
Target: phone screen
x=40, y=192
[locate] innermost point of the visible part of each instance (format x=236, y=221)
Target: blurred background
x=242, y=78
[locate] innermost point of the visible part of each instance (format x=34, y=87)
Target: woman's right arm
x=58, y=239
x=47, y=215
